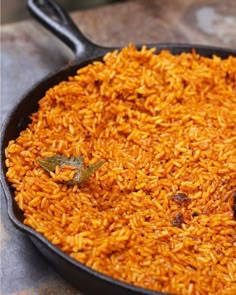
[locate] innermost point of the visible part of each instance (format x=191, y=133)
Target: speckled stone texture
x=29, y=53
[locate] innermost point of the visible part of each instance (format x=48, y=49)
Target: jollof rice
x=158, y=214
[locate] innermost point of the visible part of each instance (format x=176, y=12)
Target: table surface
x=29, y=53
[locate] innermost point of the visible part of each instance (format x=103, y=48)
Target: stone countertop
x=29, y=53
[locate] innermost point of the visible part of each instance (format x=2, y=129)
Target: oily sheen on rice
x=165, y=125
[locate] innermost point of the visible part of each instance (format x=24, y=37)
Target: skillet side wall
x=90, y=281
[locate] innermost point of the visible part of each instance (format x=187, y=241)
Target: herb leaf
x=85, y=173
x=50, y=163
x=77, y=163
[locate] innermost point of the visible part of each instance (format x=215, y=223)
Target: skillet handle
x=56, y=20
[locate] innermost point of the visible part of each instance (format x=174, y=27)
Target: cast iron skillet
x=49, y=14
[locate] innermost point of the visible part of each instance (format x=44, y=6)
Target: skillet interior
x=86, y=279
